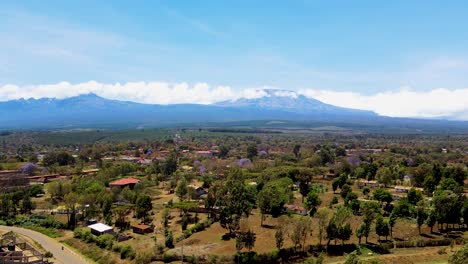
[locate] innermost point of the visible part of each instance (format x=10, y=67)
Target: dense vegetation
x=320, y=194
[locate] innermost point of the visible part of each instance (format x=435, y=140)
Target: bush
x=169, y=240
x=270, y=257
x=116, y=248
x=191, y=259
x=127, y=252
x=105, y=241
x=144, y=257
x=168, y=257
x=246, y=257
x=48, y=254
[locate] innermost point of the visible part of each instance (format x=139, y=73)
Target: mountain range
x=92, y=111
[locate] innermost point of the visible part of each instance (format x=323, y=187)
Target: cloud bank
x=437, y=103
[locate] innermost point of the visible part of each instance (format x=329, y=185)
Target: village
x=177, y=200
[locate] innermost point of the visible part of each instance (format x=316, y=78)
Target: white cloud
x=143, y=92
x=402, y=103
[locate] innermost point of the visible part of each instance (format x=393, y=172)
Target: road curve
x=65, y=256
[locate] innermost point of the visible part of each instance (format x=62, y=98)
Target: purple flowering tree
x=242, y=162
x=29, y=169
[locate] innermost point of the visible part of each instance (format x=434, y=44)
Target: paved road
x=65, y=256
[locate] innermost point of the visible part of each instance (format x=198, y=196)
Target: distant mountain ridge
x=285, y=100
x=93, y=111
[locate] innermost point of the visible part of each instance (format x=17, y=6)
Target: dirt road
x=65, y=256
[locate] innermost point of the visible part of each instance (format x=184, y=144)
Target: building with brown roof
x=125, y=182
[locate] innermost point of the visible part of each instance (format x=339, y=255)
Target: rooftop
x=100, y=227
x=125, y=181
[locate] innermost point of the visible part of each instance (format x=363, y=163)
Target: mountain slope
x=92, y=111
x=95, y=111
x=291, y=102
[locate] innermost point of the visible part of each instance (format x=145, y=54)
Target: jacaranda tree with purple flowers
x=29, y=169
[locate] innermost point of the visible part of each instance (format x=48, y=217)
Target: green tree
x=223, y=151
x=447, y=204
x=366, y=190
x=312, y=201
x=339, y=226
x=143, y=207
x=252, y=151
x=323, y=215
x=27, y=205
x=327, y=155
x=369, y=211
x=300, y=230
x=280, y=233
x=169, y=240
x=384, y=176
x=273, y=196
x=403, y=208
x=431, y=219
x=71, y=201
x=451, y=185
x=297, y=150
x=382, y=228
x=391, y=222
x=248, y=239
x=182, y=189
x=421, y=217
x=383, y=195
x=361, y=232
x=414, y=196
x=236, y=201
x=345, y=189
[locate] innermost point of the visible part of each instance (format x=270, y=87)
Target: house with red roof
x=125, y=182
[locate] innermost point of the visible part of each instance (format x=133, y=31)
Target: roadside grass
x=95, y=253
x=50, y=232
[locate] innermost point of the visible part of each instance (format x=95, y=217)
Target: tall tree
x=297, y=150
x=369, y=211
x=143, y=206
x=312, y=201
x=382, y=227
x=252, y=151
x=182, y=189
x=301, y=229
x=384, y=176
x=235, y=202
x=273, y=196
x=323, y=215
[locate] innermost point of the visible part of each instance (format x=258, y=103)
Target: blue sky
x=364, y=47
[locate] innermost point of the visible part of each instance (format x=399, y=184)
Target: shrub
x=127, y=252
x=246, y=257
x=77, y=232
x=192, y=259
x=105, y=241
x=116, y=247
x=144, y=257
x=48, y=254
x=169, y=240
x=168, y=257
x=213, y=259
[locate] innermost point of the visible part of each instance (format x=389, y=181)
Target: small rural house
x=101, y=229
x=142, y=229
x=125, y=182
x=197, y=190
x=204, y=153
x=371, y=184
x=294, y=209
